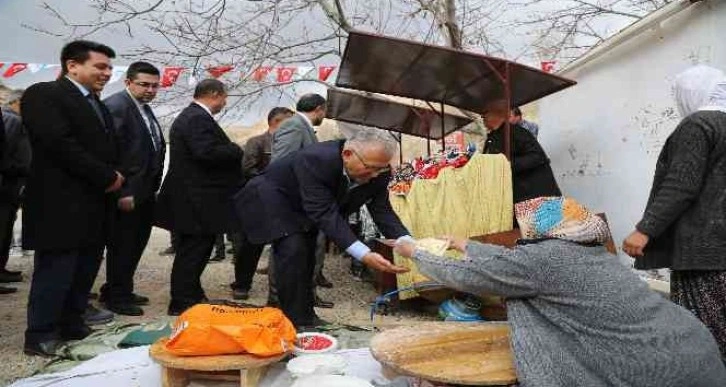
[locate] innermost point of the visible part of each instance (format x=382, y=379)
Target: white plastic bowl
x=300, y=351
x=325, y=364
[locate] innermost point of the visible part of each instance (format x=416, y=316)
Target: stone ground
x=352, y=300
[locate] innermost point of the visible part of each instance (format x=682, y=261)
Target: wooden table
x=472, y=354
x=178, y=371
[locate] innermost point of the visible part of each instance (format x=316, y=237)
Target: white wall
x=604, y=134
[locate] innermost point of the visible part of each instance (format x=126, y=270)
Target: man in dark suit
x=293, y=135
x=67, y=196
x=256, y=158
x=316, y=188
x=195, y=201
x=141, y=160
x=14, y=167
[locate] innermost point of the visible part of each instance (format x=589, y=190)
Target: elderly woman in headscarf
x=683, y=227
x=578, y=316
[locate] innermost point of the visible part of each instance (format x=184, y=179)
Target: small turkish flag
x=14, y=69
x=548, y=66
x=284, y=74
x=324, y=72
x=261, y=73
x=218, y=71
x=170, y=75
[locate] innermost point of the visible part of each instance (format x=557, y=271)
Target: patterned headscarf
x=561, y=218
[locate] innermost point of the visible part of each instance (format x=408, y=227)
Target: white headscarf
x=700, y=88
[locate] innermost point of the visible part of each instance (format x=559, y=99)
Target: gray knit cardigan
x=580, y=318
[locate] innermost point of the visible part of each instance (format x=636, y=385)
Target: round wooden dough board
x=473, y=354
x=208, y=363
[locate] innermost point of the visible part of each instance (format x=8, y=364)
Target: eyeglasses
x=375, y=168
x=146, y=85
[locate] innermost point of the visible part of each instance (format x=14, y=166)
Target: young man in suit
x=195, y=201
x=316, y=189
x=68, y=193
x=297, y=132
x=141, y=159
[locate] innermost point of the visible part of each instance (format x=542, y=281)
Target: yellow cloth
x=470, y=201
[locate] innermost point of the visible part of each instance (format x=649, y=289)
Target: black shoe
x=79, y=333
x=320, y=303
x=240, y=294
x=323, y=282
x=139, y=300
x=168, y=251
x=126, y=309
x=315, y=326
x=8, y=277
x=12, y=272
x=217, y=258
x=95, y=316
x=273, y=303
x=7, y=290
x=45, y=348
x=135, y=299
x=176, y=309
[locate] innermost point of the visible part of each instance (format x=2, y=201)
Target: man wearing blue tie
x=141, y=160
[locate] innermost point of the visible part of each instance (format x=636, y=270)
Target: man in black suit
x=141, y=160
x=195, y=201
x=3, y=289
x=316, y=188
x=67, y=196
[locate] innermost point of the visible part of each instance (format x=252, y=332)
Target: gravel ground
x=352, y=299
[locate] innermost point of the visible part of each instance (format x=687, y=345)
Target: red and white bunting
x=261, y=73
x=284, y=74
x=170, y=75
x=548, y=66
x=14, y=69
x=218, y=71
x=324, y=72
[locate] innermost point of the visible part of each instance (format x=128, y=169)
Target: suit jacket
x=204, y=173
x=292, y=135
x=257, y=154
x=16, y=155
x=139, y=162
x=74, y=154
x=309, y=190
x=531, y=172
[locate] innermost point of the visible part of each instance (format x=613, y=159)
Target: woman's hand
x=635, y=243
x=458, y=244
x=404, y=248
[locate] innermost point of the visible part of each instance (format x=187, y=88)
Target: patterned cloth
x=560, y=218
x=703, y=292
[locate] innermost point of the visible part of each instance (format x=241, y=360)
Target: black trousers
x=59, y=291
x=129, y=237
x=246, y=257
x=294, y=258
x=192, y=255
x=8, y=214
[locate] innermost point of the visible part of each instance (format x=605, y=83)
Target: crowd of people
x=89, y=173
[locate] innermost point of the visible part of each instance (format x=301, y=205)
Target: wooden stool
x=177, y=371
x=472, y=354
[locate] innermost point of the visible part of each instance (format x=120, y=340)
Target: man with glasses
x=141, y=160
x=316, y=189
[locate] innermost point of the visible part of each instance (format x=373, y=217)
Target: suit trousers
x=321, y=248
x=8, y=215
x=129, y=238
x=294, y=257
x=246, y=257
x=59, y=291
x=192, y=255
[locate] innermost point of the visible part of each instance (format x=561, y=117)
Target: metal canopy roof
x=397, y=114
x=463, y=79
